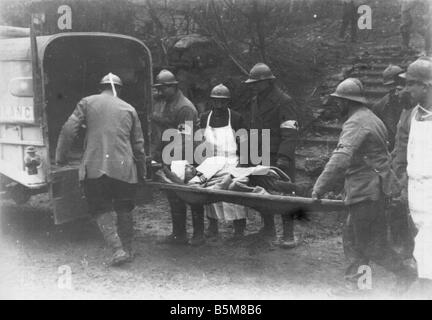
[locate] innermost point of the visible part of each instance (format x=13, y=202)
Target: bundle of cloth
x=220, y=173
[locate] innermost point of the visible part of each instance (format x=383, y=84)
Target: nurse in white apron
x=419, y=169
x=220, y=137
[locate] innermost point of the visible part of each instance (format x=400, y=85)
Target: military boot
x=179, y=235
x=288, y=240
x=198, y=227
x=239, y=228
x=212, y=229
x=406, y=275
x=125, y=231
x=268, y=230
x=108, y=226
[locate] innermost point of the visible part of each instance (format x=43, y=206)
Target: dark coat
x=114, y=143
x=276, y=111
x=175, y=114
x=389, y=109
x=399, y=154
x=362, y=158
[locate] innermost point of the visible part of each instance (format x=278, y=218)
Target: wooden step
x=394, y=47
x=372, y=92
x=387, y=59
x=378, y=66
x=327, y=128
x=376, y=81
x=366, y=73
x=325, y=141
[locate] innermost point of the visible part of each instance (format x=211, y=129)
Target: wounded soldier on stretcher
x=218, y=173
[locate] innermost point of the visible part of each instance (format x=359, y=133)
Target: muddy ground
x=33, y=249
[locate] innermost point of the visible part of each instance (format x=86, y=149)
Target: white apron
x=224, y=145
x=419, y=169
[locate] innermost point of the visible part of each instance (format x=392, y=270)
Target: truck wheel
x=20, y=194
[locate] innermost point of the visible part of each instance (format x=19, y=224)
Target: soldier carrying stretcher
x=362, y=158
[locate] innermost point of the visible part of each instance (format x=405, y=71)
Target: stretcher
x=264, y=203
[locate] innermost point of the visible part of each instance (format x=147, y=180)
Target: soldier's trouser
x=367, y=231
x=198, y=221
x=288, y=227
x=287, y=219
x=125, y=229
x=178, y=214
x=269, y=224
x=402, y=232
x=107, y=195
x=107, y=223
x=239, y=226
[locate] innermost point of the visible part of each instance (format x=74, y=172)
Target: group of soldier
x=382, y=153
x=386, y=191
x=270, y=108
x=114, y=160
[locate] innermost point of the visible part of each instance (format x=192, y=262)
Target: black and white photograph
x=228, y=151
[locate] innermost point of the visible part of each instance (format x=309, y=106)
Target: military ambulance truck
x=41, y=80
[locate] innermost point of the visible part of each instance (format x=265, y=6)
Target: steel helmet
x=165, y=78
x=30, y=149
x=260, y=72
x=390, y=73
x=350, y=89
x=220, y=92
x=111, y=78
x=420, y=70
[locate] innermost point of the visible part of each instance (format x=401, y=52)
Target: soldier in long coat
x=274, y=112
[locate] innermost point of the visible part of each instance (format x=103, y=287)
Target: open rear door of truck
x=65, y=194
x=67, y=199
x=72, y=66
